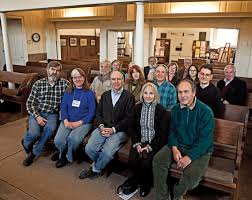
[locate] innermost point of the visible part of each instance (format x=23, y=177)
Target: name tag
x=76, y=103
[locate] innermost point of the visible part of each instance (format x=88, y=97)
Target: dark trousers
x=190, y=179
x=141, y=168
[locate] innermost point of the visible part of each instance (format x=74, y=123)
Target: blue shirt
x=86, y=110
x=167, y=94
x=115, y=95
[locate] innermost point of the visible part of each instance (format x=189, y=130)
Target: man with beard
x=102, y=83
x=43, y=108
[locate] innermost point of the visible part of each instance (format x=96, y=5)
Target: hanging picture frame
x=92, y=42
x=63, y=42
x=83, y=42
x=73, y=42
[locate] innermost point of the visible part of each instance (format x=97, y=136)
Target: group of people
x=143, y=107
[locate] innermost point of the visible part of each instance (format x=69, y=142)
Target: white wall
x=182, y=37
x=87, y=32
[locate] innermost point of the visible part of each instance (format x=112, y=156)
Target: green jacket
x=191, y=130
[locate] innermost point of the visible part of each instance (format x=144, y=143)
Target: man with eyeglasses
x=149, y=71
x=207, y=92
x=233, y=90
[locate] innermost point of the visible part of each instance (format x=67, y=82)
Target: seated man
x=43, y=107
x=233, y=90
x=112, y=117
x=149, y=71
x=190, y=144
x=102, y=82
x=166, y=90
x=207, y=92
x=182, y=73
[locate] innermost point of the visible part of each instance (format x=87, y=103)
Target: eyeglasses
x=77, y=77
x=192, y=70
x=207, y=75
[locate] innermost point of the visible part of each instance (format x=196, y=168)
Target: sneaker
x=61, y=163
x=89, y=174
x=29, y=160
x=55, y=156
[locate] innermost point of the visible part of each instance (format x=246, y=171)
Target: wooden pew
x=223, y=171
x=237, y=114
x=18, y=94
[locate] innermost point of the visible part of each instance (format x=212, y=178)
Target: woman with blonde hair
x=77, y=113
x=135, y=81
x=148, y=131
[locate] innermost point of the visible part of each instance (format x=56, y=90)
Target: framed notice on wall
x=63, y=42
x=92, y=43
x=83, y=42
x=73, y=42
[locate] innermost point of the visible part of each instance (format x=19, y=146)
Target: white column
x=7, y=53
x=112, y=46
x=139, y=35
x=103, y=44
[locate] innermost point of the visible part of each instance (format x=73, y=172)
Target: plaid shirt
x=167, y=93
x=44, y=97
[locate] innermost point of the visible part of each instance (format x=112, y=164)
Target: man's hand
x=106, y=132
x=225, y=102
x=184, y=162
x=176, y=154
x=41, y=121
x=139, y=149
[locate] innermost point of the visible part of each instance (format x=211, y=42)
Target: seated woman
x=116, y=65
x=77, y=113
x=135, y=81
x=148, y=130
x=193, y=74
x=172, y=75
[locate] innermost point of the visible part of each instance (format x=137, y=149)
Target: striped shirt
x=167, y=94
x=45, y=97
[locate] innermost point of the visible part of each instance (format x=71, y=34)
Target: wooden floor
x=43, y=181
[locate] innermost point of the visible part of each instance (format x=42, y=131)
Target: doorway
x=16, y=41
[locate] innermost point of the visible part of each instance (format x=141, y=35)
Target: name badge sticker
x=76, y=103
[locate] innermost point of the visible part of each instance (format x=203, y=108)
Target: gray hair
x=148, y=84
x=193, y=86
x=54, y=63
x=230, y=66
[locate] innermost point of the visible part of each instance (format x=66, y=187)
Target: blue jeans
x=102, y=149
x=35, y=132
x=70, y=137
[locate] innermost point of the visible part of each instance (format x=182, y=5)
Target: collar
x=117, y=92
x=191, y=106
x=203, y=86
x=228, y=81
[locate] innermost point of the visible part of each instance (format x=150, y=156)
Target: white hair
x=75, y=72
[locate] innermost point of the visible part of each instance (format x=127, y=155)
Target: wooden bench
x=19, y=94
x=223, y=171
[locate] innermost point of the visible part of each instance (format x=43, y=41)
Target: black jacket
x=117, y=116
x=211, y=97
x=146, y=71
x=235, y=92
x=161, y=123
